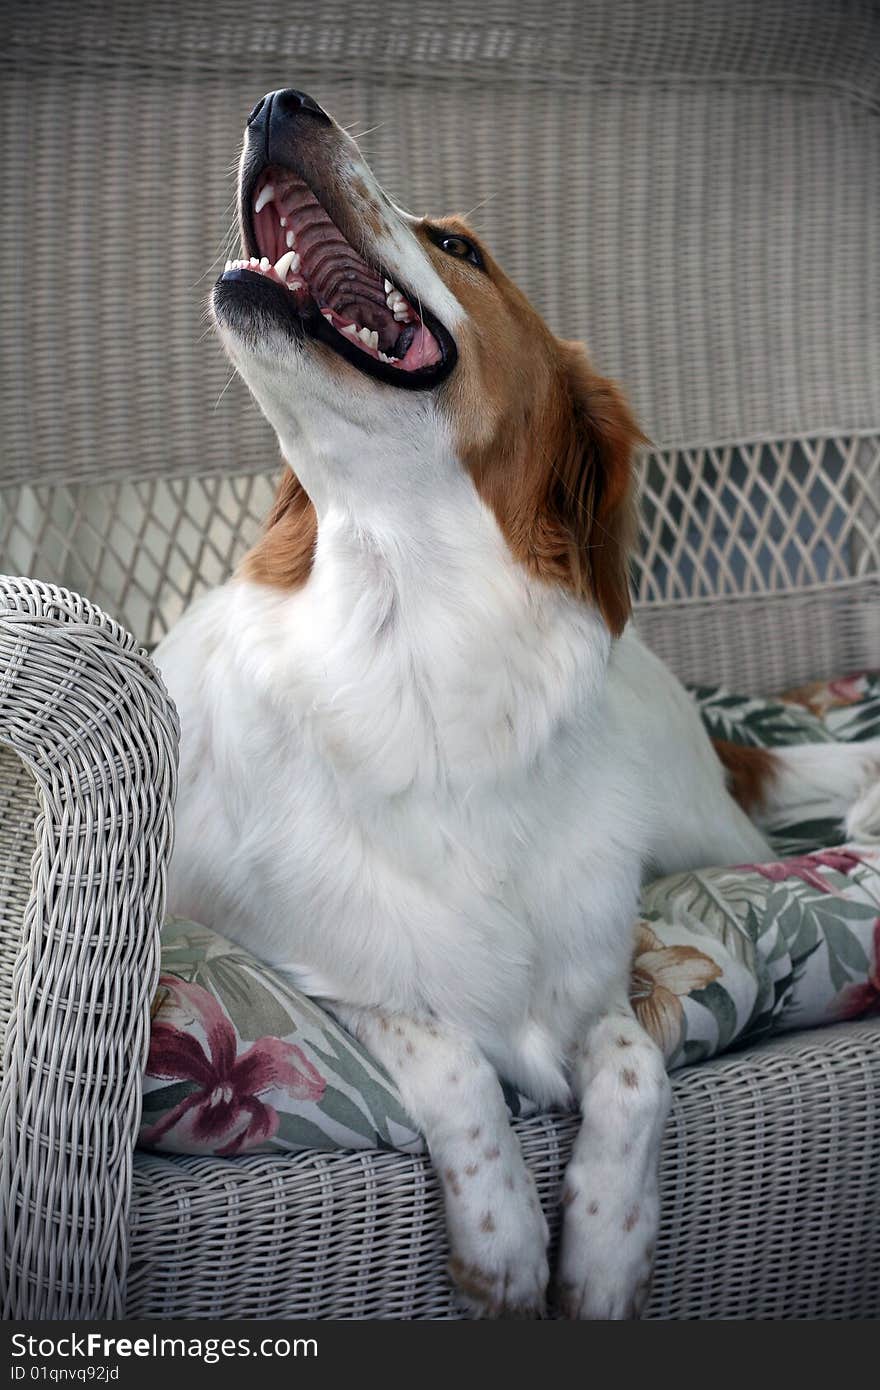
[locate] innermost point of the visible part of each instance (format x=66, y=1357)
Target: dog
x=426, y=761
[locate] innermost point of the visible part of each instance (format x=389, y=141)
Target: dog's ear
x=282, y=557
x=590, y=487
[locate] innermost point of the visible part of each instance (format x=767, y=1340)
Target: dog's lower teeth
x=285, y=269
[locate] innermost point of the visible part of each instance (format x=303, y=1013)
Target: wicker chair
x=692, y=187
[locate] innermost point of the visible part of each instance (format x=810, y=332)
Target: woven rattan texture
x=18, y=813
x=770, y=1206
x=797, y=521
x=689, y=187
x=83, y=709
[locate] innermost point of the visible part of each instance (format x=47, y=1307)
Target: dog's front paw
x=607, y=1258
x=499, y=1252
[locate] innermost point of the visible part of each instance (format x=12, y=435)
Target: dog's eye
x=458, y=246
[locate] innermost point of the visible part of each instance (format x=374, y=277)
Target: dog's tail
x=807, y=781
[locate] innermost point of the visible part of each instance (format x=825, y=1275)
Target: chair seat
x=770, y=1206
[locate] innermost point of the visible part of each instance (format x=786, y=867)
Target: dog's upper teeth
x=289, y=261
x=266, y=196
x=283, y=221
x=327, y=315
x=289, y=238
x=398, y=306
x=388, y=287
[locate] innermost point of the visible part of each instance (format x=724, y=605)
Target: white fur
x=426, y=785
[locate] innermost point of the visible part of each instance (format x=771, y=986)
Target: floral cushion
x=241, y=1061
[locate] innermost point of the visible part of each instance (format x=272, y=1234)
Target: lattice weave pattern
x=715, y=523
x=84, y=711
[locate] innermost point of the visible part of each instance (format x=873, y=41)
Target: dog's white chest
x=405, y=807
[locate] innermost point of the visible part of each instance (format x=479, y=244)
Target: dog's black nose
x=278, y=107
x=289, y=102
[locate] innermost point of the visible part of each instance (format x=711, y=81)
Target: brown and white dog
x=425, y=760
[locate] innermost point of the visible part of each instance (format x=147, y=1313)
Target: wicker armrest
x=85, y=711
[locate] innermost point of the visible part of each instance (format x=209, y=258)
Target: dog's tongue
x=423, y=350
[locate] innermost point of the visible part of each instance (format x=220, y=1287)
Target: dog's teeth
x=352, y=329
x=383, y=357
x=365, y=336
x=266, y=196
x=283, y=221
x=289, y=238
x=265, y=263
x=388, y=287
x=285, y=263
x=228, y=266
x=327, y=315
x=295, y=284
x=253, y=261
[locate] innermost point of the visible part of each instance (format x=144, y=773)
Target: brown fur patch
x=630, y=1219
x=630, y=1078
x=751, y=772
x=470, y=1279
x=593, y=1208
x=547, y=440
x=283, y=555
x=488, y=1222
x=452, y=1181
x=492, y=1153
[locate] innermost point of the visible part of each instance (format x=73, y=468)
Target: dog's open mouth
x=320, y=279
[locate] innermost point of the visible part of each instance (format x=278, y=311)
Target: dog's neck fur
x=430, y=656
